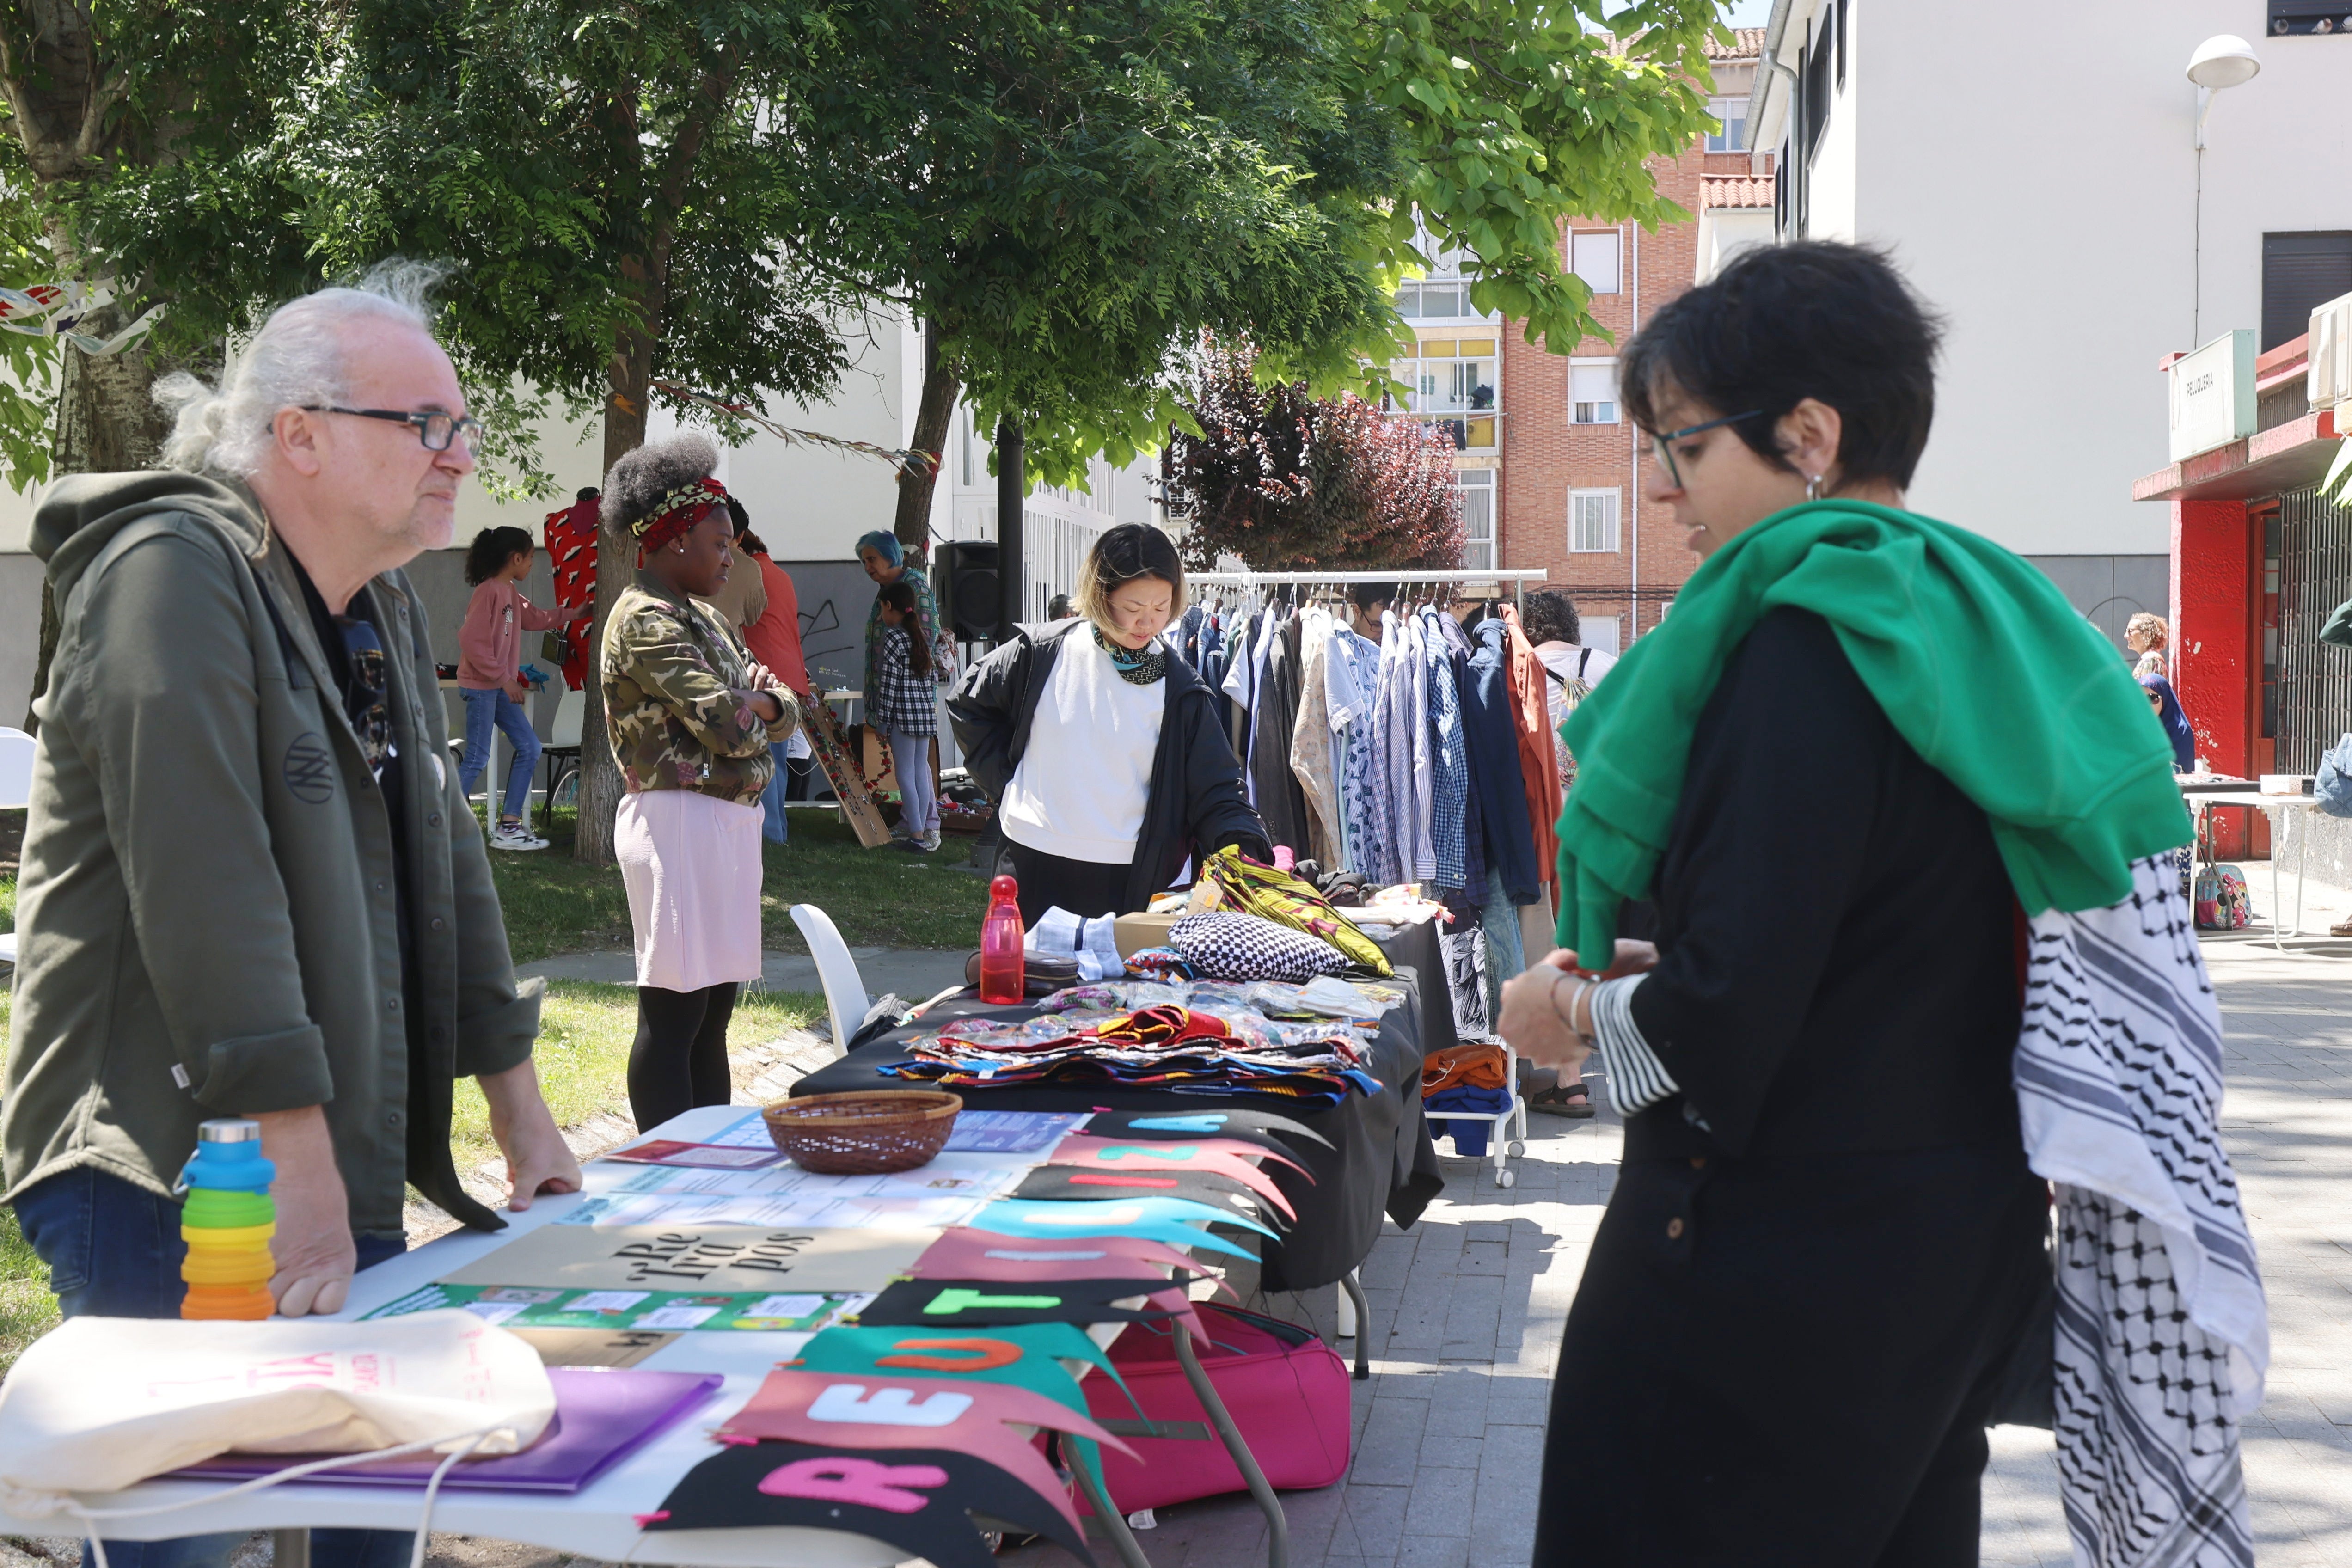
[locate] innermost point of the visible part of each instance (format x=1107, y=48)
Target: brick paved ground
x=1467, y=1308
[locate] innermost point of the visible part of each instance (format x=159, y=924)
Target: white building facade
x=2033, y=170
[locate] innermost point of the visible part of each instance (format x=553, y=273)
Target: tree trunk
x=107, y=422
x=617, y=567
x=933, y=413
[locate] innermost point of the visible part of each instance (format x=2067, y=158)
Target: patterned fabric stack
x=1198, y=1038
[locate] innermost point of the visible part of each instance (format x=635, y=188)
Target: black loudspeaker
x=965, y=581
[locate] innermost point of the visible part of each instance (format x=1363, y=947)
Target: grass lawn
x=879, y=897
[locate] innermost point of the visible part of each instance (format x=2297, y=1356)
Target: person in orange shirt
x=774, y=639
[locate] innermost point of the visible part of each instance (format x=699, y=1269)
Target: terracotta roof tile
x=1751, y=46
x=1735, y=190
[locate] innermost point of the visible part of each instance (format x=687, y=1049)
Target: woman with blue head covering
x=885, y=560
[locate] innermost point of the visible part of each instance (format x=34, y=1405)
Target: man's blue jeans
x=114, y=1251
x=484, y=709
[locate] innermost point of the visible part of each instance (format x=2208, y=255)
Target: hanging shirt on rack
x=1474, y=806
x=1490, y=728
x=1404, y=740
x=1538, y=767
x=1313, y=757
x=1353, y=675
x=1240, y=687
x=1449, y=771
x=1279, y=800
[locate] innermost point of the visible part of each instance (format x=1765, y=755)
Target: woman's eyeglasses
x=436, y=430
x=1661, y=446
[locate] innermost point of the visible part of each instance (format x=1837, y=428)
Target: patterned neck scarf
x=1136, y=665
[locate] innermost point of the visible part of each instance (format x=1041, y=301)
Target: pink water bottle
x=1003, y=978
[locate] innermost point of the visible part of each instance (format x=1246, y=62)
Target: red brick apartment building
x=1549, y=465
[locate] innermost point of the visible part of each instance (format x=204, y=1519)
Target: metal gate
x=2315, y=680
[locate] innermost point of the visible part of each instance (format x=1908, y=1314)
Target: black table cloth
x=1380, y=1158
x=1417, y=947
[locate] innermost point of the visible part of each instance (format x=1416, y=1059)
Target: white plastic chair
x=17, y=750
x=845, y=989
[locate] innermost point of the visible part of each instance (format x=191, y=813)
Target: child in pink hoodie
x=489, y=664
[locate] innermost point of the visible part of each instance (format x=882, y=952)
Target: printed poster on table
x=713, y=1260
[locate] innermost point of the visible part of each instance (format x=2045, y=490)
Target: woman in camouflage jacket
x=691, y=717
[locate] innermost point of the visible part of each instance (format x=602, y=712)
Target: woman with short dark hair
x=1103, y=754
x=1869, y=767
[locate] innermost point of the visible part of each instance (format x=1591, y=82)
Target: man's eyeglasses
x=1661, y=447
x=436, y=430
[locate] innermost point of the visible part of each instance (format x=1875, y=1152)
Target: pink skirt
x=692, y=864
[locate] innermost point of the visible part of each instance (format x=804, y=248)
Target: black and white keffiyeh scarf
x=2163, y=1334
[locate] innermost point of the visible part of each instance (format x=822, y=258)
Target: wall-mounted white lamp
x=2222, y=60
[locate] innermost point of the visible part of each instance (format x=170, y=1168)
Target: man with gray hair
x=249, y=886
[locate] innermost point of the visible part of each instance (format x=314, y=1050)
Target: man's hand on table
x=312, y=1247
x=538, y=1159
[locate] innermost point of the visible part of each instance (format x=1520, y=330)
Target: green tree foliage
x=609, y=180
x=1285, y=480
x=1067, y=193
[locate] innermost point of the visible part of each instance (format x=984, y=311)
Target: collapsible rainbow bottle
x=228, y=1222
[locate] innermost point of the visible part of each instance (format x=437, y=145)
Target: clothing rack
x=1517, y=576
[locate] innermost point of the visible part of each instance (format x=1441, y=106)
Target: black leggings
x=1085, y=888
x=679, y=1059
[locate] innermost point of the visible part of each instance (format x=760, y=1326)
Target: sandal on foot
x=1569, y=1100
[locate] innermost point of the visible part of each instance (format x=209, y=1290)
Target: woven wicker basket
x=869, y=1133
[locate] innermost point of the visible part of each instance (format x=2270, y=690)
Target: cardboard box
x=1132, y=934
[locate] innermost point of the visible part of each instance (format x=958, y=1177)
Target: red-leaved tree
x=1288, y=482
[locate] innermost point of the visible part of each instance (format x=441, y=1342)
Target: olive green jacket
x=671, y=672
x=205, y=912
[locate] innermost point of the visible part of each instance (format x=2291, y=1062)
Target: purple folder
x=602, y=1415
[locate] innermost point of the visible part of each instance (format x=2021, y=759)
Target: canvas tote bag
x=99, y=1403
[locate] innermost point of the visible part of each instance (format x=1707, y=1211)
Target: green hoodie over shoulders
x=1977, y=661
x=206, y=916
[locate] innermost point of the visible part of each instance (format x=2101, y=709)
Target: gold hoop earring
x=1813, y=488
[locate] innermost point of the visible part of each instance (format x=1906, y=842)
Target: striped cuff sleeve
x=1637, y=1080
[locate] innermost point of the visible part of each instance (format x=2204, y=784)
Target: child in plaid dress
x=901, y=707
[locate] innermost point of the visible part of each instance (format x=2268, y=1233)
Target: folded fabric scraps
x=985, y=1303
x=1158, y=964
x=1230, y=1049
x=1255, y=1125
x=917, y=1500
x=1025, y=1355
x=1174, y=1221
x=1069, y=1184
x=905, y=1412
x=1469, y=1137
x=967, y=1254
x=1225, y=945
x=1475, y=1065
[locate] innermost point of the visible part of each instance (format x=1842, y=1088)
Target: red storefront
x=2256, y=559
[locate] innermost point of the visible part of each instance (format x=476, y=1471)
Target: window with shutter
x=1476, y=489
x=1593, y=523
x=1592, y=392
x=2301, y=272
x=1593, y=258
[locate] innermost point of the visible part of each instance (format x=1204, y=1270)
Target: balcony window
x=1453, y=384
x=1444, y=294
x=1476, y=487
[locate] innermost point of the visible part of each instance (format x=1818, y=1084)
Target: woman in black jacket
x=1103, y=751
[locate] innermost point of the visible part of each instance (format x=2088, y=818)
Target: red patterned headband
x=678, y=511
